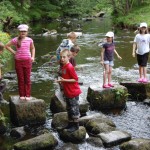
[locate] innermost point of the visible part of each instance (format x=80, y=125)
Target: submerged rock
x=97, y=126
x=101, y=99
x=136, y=144
x=137, y=91
x=44, y=141
x=114, y=138
x=24, y=112
x=95, y=141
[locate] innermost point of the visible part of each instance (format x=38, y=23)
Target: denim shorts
x=110, y=63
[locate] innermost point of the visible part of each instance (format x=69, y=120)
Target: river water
x=135, y=119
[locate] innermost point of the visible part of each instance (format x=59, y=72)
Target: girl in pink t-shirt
x=24, y=56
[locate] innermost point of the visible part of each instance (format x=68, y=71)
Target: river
x=135, y=119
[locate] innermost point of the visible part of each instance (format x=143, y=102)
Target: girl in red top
x=69, y=81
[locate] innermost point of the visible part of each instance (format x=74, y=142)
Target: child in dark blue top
x=107, y=56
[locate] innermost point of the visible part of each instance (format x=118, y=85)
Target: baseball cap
x=143, y=24
x=110, y=34
x=23, y=27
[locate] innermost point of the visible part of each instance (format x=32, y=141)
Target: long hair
x=146, y=31
x=19, y=41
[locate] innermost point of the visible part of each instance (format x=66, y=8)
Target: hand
x=119, y=57
x=133, y=54
x=32, y=59
x=14, y=52
x=60, y=80
x=102, y=63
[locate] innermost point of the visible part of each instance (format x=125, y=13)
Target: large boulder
x=136, y=144
x=114, y=138
x=58, y=104
x=137, y=91
x=60, y=120
x=101, y=99
x=77, y=136
x=44, y=141
x=30, y=112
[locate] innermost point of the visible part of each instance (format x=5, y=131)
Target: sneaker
x=111, y=85
x=106, y=86
x=145, y=80
x=22, y=98
x=140, y=80
x=28, y=98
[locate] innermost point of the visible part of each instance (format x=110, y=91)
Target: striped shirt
x=22, y=52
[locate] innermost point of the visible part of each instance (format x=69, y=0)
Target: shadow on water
x=134, y=119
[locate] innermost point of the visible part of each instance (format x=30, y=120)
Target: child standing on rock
x=141, y=48
x=107, y=56
x=71, y=89
x=24, y=56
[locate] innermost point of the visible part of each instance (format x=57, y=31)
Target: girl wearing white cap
x=107, y=56
x=141, y=48
x=24, y=56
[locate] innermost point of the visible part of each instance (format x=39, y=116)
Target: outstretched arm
x=66, y=80
x=117, y=54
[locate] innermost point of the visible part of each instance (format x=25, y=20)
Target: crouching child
x=71, y=89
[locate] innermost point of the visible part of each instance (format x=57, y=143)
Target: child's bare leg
x=109, y=74
x=105, y=74
x=144, y=71
x=140, y=71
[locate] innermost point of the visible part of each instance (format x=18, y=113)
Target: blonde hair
x=65, y=51
x=71, y=35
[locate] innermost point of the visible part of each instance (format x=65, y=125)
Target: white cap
x=110, y=34
x=23, y=27
x=143, y=24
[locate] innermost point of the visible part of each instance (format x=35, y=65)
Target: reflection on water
x=136, y=118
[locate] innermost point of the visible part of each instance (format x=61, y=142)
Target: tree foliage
x=23, y=11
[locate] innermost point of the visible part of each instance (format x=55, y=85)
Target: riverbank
x=133, y=19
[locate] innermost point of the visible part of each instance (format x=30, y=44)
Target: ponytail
x=19, y=41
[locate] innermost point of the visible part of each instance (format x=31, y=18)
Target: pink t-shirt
x=24, y=51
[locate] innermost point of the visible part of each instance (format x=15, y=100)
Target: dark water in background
x=136, y=118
